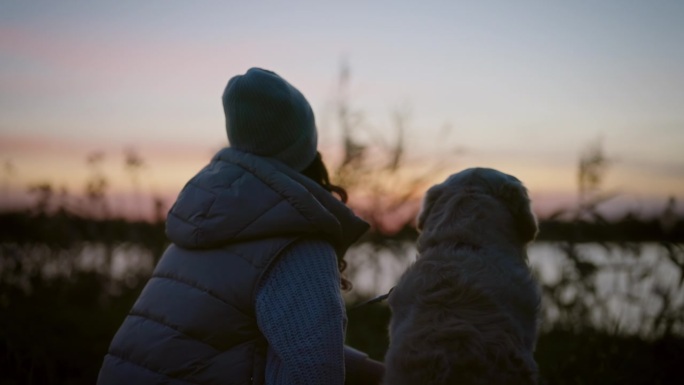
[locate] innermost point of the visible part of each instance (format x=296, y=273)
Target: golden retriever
x=466, y=312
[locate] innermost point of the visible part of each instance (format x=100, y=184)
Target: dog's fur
x=466, y=312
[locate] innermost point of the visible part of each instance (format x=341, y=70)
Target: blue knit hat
x=267, y=116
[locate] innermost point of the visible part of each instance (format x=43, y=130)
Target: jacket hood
x=241, y=197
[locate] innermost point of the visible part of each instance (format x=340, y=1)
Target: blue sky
x=524, y=86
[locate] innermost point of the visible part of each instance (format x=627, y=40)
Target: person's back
x=249, y=291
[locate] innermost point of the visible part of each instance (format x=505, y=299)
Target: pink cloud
x=108, y=62
x=55, y=145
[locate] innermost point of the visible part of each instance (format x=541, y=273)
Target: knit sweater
x=299, y=309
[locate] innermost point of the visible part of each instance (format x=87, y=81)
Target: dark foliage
x=564, y=357
x=59, y=331
x=628, y=229
x=55, y=325
x=63, y=229
x=590, y=357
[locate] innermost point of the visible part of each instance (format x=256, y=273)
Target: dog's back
x=466, y=311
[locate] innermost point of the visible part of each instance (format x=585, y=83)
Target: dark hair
x=317, y=171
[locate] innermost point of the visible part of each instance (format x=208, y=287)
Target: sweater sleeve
x=300, y=311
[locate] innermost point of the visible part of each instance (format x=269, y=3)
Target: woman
x=249, y=291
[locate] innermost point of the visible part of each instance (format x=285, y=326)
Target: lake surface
x=624, y=287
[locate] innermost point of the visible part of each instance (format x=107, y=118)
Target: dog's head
x=505, y=188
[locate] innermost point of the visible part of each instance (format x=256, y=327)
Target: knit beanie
x=267, y=116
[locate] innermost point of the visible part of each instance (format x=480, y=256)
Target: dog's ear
x=428, y=203
x=514, y=194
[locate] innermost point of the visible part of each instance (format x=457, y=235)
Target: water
x=634, y=289
x=624, y=288
x=125, y=263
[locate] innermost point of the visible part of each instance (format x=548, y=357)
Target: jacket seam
x=182, y=219
x=195, y=184
x=156, y=371
x=200, y=288
x=252, y=262
x=276, y=256
x=175, y=328
x=150, y=317
x=257, y=173
x=223, y=188
x=266, y=211
x=214, y=195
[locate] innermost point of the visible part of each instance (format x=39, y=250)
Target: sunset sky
x=521, y=86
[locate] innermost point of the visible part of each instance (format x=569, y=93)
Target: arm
x=301, y=313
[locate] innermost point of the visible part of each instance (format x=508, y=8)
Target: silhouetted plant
x=134, y=164
x=96, y=186
x=8, y=172
x=44, y=197
x=576, y=303
x=386, y=188
x=591, y=171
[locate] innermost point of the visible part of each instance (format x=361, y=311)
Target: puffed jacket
x=194, y=322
